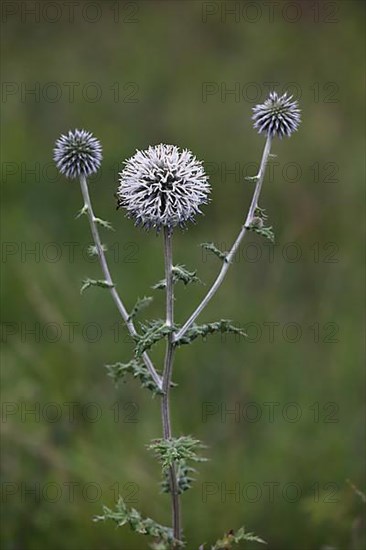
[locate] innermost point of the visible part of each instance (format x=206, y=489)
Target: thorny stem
x=103, y=263
x=226, y=264
x=167, y=375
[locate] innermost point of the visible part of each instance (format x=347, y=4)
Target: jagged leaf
x=231, y=538
x=215, y=250
x=93, y=250
x=222, y=326
x=176, y=449
x=135, y=368
x=122, y=515
x=180, y=273
x=184, y=479
x=152, y=332
x=160, y=285
x=140, y=304
x=93, y=282
x=104, y=223
x=266, y=232
x=82, y=211
x=257, y=225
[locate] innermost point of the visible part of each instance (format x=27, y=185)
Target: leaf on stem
x=258, y=224
x=122, y=515
x=215, y=250
x=176, y=449
x=81, y=212
x=137, y=369
x=152, y=332
x=180, y=273
x=266, y=232
x=184, y=479
x=140, y=304
x=104, y=223
x=93, y=282
x=232, y=537
x=222, y=326
x=93, y=249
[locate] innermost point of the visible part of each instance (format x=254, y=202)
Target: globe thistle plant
x=77, y=154
x=162, y=187
x=277, y=116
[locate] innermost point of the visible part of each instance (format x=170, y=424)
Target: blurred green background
x=141, y=73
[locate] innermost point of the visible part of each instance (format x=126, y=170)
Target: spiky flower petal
x=277, y=116
x=162, y=186
x=77, y=154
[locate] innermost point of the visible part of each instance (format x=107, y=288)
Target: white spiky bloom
x=162, y=186
x=277, y=116
x=77, y=154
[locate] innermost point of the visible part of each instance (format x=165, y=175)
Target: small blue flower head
x=162, y=186
x=277, y=116
x=77, y=154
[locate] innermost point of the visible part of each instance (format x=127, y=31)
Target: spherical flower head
x=162, y=186
x=77, y=154
x=277, y=116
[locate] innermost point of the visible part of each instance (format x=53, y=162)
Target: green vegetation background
x=168, y=53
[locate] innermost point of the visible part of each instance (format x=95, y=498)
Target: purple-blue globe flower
x=77, y=154
x=277, y=116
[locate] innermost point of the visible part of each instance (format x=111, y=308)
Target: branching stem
x=103, y=263
x=253, y=205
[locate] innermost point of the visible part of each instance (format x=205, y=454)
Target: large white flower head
x=277, y=116
x=163, y=186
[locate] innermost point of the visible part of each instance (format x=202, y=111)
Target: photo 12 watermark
x=51, y=492
x=69, y=412
x=269, y=412
x=268, y=11
x=253, y=92
x=268, y=492
x=69, y=92
x=72, y=12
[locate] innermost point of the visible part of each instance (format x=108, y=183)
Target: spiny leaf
x=176, y=449
x=261, y=212
x=180, y=273
x=122, y=515
x=152, y=332
x=140, y=304
x=216, y=251
x=160, y=285
x=82, y=211
x=92, y=282
x=93, y=250
x=137, y=369
x=266, y=232
x=184, y=479
x=257, y=225
x=222, y=326
x=104, y=223
x=233, y=538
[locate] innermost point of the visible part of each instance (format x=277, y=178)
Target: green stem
x=167, y=376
